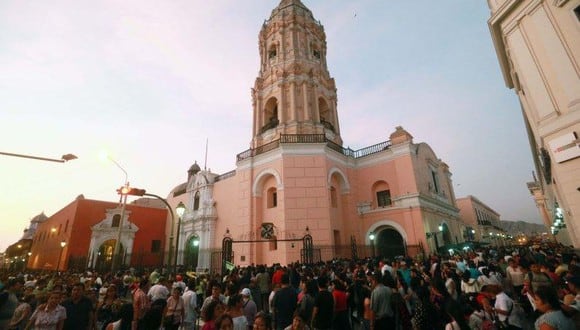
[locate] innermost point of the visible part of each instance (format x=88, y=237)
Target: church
x=298, y=194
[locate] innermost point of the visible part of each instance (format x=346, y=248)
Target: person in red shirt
x=277, y=276
x=340, y=320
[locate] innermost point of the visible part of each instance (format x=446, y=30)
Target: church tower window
x=270, y=115
x=196, y=201
x=272, y=198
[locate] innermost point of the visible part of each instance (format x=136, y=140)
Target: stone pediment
x=112, y=217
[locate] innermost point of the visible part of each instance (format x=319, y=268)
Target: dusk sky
x=149, y=81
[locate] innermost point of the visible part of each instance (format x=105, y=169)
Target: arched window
x=272, y=52
x=382, y=194
x=326, y=118
x=116, y=220
x=272, y=198
x=196, y=201
x=270, y=115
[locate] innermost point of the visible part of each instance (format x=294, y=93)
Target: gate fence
x=142, y=261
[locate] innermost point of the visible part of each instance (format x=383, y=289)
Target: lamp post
x=372, y=239
x=124, y=192
x=65, y=158
x=116, y=252
x=180, y=209
x=62, y=245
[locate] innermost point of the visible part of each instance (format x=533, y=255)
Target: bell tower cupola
x=294, y=93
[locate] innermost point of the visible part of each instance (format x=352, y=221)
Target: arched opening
x=105, y=254
x=191, y=252
x=389, y=243
x=196, y=201
x=326, y=118
x=270, y=115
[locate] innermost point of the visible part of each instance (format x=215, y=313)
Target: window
x=333, y=200
x=435, y=181
x=59, y=228
x=196, y=201
x=66, y=226
x=316, y=54
x=116, y=220
x=272, y=198
x=155, y=246
x=577, y=12
x=384, y=198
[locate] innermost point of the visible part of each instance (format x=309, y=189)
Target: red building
x=83, y=235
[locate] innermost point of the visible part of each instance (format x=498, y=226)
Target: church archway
x=105, y=254
x=191, y=256
x=389, y=243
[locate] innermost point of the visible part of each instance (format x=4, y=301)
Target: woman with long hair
x=306, y=305
x=263, y=321
x=213, y=310
x=174, y=310
x=439, y=298
x=107, y=308
x=224, y=322
x=235, y=310
x=552, y=318
x=126, y=318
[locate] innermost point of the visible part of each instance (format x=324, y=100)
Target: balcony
x=314, y=139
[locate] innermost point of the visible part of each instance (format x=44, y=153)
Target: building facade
x=297, y=193
x=539, y=54
x=83, y=234
x=482, y=223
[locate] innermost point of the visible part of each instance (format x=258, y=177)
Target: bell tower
x=293, y=93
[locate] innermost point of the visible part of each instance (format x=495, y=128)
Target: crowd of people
x=524, y=287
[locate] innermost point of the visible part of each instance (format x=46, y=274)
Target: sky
x=149, y=82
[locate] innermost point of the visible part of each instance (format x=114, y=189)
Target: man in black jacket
x=284, y=303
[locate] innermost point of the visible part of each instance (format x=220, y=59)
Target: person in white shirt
x=505, y=308
x=190, y=306
x=158, y=291
x=515, y=277
x=486, y=279
x=387, y=267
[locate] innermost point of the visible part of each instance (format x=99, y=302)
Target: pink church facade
x=297, y=180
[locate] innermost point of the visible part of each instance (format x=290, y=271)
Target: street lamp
x=180, y=209
x=124, y=191
x=62, y=245
x=372, y=239
x=65, y=158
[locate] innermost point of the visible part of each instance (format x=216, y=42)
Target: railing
x=259, y=150
x=314, y=138
x=372, y=149
x=302, y=138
